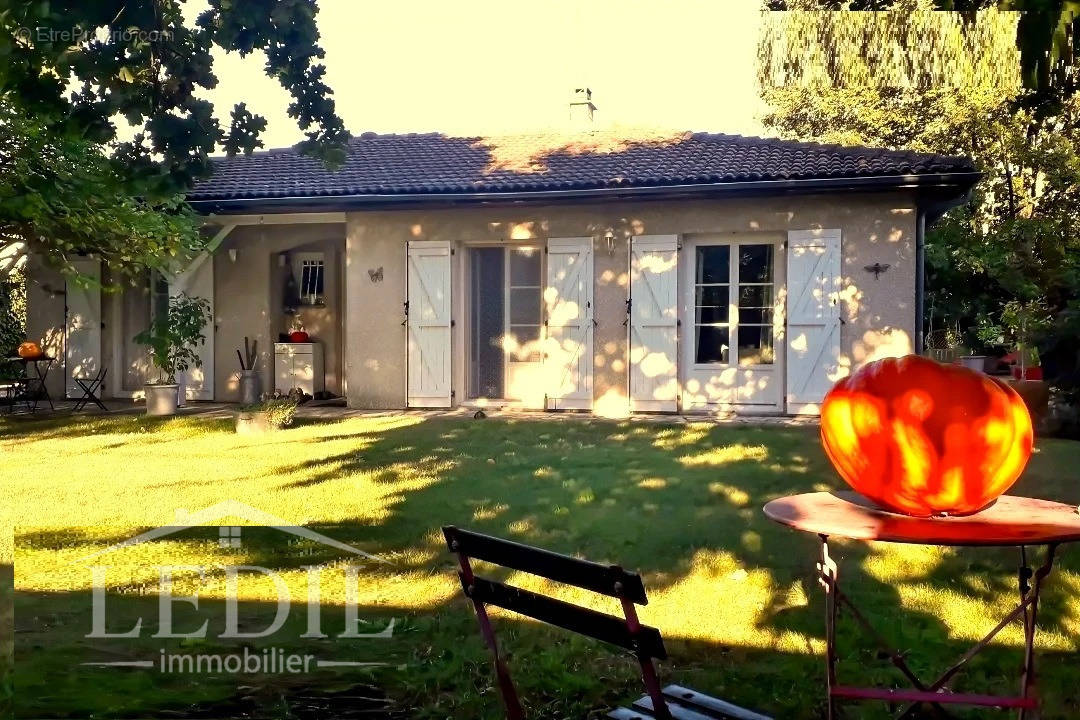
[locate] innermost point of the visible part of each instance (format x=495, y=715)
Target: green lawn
x=733, y=594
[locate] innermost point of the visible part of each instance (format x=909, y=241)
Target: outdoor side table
x=36, y=389
x=1009, y=522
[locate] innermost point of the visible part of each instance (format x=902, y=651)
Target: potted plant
x=1021, y=323
x=172, y=339
x=270, y=414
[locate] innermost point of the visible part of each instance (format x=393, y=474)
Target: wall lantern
x=609, y=238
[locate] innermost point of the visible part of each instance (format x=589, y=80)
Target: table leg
x=1031, y=614
x=827, y=572
x=42, y=377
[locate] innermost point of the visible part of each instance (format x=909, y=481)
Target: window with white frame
x=310, y=271
x=526, y=303
x=733, y=304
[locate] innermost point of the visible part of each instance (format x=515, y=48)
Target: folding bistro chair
x=90, y=387
x=670, y=703
x=12, y=391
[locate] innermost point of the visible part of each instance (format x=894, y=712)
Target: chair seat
x=686, y=704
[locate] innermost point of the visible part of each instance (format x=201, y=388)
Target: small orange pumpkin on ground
x=921, y=438
x=30, y=350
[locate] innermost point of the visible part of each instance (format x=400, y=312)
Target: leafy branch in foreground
x=62, y=196
x=71, y=182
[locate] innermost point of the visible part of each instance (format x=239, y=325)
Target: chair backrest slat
x=608, y=580
x=607, y=628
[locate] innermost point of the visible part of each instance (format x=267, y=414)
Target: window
x=526, y=304
x=712, y=331
x=310, y=271
x=733, y=303
x=755, y=322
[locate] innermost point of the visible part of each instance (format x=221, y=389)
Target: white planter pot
x=974, y=362
x=161, y=399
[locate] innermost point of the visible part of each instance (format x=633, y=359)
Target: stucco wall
x=879, y=314
x=247, y=300
x=375, y=343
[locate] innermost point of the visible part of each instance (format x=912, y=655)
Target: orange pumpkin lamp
x=30, y=350
x=921, y=438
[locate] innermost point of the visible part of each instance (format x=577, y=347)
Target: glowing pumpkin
x=30, y=350
x=921, y=438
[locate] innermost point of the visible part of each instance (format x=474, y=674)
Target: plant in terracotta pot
x=1020, y=326
x=172, y=339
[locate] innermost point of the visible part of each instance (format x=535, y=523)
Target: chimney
x=581, y=108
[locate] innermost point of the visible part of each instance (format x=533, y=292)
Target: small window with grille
x=310, y=271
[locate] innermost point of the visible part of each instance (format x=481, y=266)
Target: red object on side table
x=1010, y=521
x=299, y=336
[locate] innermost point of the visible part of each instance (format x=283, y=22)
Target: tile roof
x=435, y=164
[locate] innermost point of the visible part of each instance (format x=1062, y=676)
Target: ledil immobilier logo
x=270, y=618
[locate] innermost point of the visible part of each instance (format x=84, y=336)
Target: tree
x=957, y=88
x=1047, y=32
x=73, y=70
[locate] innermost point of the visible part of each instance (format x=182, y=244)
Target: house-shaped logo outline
x=231, y=509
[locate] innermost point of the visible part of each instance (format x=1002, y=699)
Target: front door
x=731, y=320
x=505, y=316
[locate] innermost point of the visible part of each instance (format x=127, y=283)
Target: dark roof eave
x=949, y=186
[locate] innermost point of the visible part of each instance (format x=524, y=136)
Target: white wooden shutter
x=813, y=318
x=429, y=360
x=654, y=320
x=568, y=342
x=82, y=327
x=197, y=280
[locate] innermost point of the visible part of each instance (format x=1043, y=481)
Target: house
x=606, y=271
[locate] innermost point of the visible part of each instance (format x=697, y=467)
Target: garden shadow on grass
x=7, y=634
x=436, y=666
x=679, y=503
x=690, y=496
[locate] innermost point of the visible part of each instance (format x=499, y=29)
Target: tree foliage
x=72, y=72
x=1019, y=237
x=64, y=196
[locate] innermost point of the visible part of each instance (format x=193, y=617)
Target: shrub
x=279, y=412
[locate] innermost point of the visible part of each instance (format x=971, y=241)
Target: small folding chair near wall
x=669, y=703
x=90, y=387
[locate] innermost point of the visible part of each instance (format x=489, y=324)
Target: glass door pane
x=526, y=304
x=712, y=331
x=487, y=315
x=755, y=303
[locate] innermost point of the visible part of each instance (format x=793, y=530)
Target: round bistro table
x=1010, y=522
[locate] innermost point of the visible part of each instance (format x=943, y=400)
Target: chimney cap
x=581, y=107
